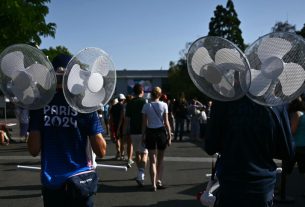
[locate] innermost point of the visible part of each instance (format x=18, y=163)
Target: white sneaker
x=207, y=199
x=140, y=178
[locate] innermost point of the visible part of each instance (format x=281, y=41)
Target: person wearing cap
x=65, y=138
x=116, y=112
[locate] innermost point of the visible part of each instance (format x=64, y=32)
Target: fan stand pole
x=282, y=197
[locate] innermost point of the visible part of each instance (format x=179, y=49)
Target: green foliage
x=301, y=32
x=23, y=21
x=52, y=52
x=225, y=23
x=181, y=83
x=283, y=27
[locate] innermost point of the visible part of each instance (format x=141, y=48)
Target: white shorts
x=137, y=143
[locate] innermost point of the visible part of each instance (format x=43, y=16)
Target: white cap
x=121, y=96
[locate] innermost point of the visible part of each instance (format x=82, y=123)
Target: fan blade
x=225, y=88
x=259, y=84
x=101, y=65
x=12, y=62
x=75, y=82
x=211, y=73
x=200, y=58
x=230, y=58
x=25, y=96
x=275, y=46
x=41, y=75
x=95, y=82
x=292, y=78
x=21, y=80
x=93, y=99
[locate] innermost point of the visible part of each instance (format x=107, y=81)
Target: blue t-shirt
x=64, y=134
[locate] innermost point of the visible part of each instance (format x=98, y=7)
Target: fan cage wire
x=31, y=55
x=274, y=95
x=85, y=58
x=240, y=79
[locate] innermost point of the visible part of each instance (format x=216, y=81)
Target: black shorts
x=156, y=138
x=299, y=158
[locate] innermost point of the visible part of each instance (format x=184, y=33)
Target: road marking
x=167, y=159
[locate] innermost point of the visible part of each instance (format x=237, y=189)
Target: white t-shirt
x=155, y=115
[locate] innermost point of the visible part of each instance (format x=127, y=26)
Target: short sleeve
x=127, y=112
x=93, y=124
x=144, y=109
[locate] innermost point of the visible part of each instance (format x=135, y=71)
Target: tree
x=302, y=31
x=52, y=52
x=283, y=27
x=23, y=21
x=180, y=81
x=225, y=23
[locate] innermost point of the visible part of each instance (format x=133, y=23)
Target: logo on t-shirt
x=59, y=116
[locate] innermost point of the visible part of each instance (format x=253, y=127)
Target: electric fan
x=277, y=62
x=218, y=68
x=89, y=80
x=27, y=76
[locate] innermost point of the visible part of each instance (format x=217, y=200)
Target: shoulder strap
x=157, y=113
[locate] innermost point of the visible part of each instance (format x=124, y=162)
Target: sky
x=148, y=34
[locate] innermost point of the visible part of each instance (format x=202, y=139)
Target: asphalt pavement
x=186, y=166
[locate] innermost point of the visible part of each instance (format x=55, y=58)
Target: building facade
x=149, y=79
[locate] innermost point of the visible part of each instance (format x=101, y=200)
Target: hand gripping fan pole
x=277, y=62
x=89, y=80
x=218, y=68
x=27, y=76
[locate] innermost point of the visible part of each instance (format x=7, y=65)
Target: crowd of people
x=142, y=129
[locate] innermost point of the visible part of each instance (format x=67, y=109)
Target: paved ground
x=186, y=167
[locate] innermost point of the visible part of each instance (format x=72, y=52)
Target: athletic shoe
x=160, y=186
x=130, y=163
x=140, y=177
x=140, y=182
x=118, y=157
x=207, y=199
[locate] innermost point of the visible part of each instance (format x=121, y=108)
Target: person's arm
x=144, y=125
x=121, y=122
x=168, y=128
x=34, y=143
x=214, y=133
x=98, y=145
x=284, y=146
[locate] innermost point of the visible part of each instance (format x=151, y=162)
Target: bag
x=82, y=185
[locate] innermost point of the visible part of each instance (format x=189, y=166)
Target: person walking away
x=115, y=117
x=105, y=112
x=126, y=132
x=180, y=112
x=248, y=136
x=156, y=133
x=297, y=110
x=194, y=111
x=67, y=174
x=134, y=120
x=203, y=122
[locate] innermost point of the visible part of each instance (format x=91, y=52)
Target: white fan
x=27, y=77
x=277, y=68
x=89, y=80
x=218, y=68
